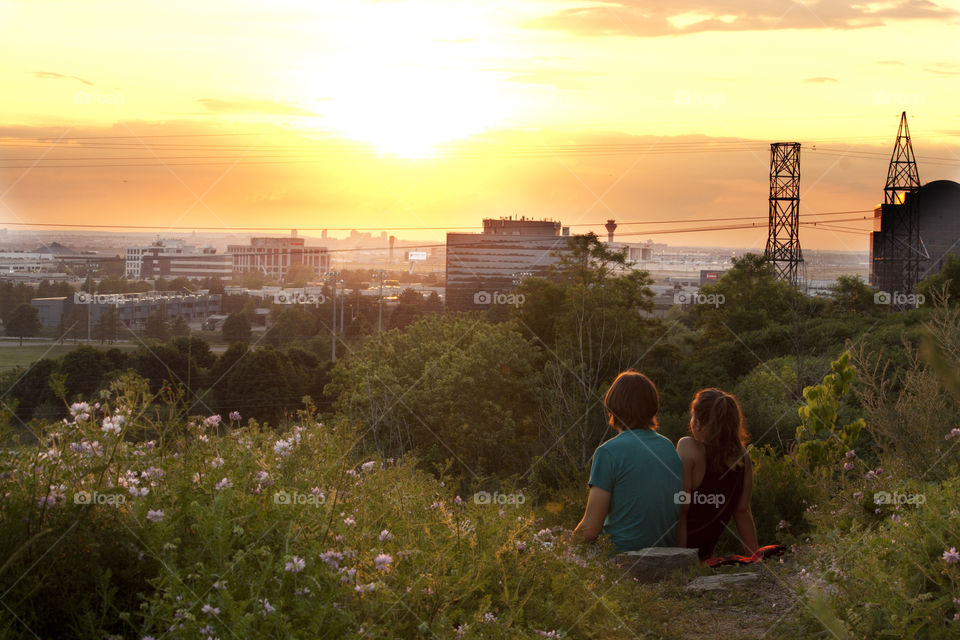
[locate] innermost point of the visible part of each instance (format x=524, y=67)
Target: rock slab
x=722, y=581
x=655, y=562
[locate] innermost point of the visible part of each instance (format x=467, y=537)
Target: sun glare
x=402, y=86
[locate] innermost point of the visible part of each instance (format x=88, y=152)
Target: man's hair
x=632, y=402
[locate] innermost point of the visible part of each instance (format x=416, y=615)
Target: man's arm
x=598, y=505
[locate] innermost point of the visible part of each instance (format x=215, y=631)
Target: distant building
x=202, y=265
x=132, y=309
x=939, y=219
x=482, y=268
x=710, y=276
x=135, y=257
x=274, y=256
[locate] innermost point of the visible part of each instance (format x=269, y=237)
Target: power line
x=287, y=227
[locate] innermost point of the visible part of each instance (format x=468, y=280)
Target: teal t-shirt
x=643, y=473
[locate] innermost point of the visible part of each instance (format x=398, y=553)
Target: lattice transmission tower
x=900, y=252
x=783, y=236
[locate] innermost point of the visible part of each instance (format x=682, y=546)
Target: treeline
x=266, y=383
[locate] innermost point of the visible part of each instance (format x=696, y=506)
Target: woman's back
x=712, y=504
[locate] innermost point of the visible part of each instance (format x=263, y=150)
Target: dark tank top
x=711, y=505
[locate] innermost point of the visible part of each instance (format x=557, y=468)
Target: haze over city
x=434, y=115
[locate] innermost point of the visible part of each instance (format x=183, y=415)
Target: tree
x=24, y=320
x=180, y=327
x=156, y=326
x=749, y=296
x=298, y=275
x=948, y=281
x=589, y=314
x=290, y=323
x=449, y=387
x=236, y=328
x=853, y=296
x=107, y=328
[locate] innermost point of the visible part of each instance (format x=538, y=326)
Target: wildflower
x=139, y=492
x=521, y=545
x=223, y=484
x=349, y=575
x=457, y=500
x=370, y=586
x=210, y=611
x=212, y=421
x=235, y=416
x=282, y=447
x=858, y=495
x=349, y=521
x=295, y=565
x=332, y=558
x=847, y=466
x=489, y=617
x=368, y=466
x=112, y=424
x=955, y=432
x=155, y=515
x=850, y=454
x=385, y=535
x=264, y=603
x=783, y=524
x=383, y=562
x=80, y=411
x=217, y=462
x=951, y=556
x=219, y=584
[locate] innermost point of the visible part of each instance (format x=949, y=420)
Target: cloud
x=52, y=75
x=253, y=106
x=821, y=80
x=653, y=18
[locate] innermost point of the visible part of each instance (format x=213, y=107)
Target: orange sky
x=438, y=113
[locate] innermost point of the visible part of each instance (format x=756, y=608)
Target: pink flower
x=235, y=416
x=951, y=556
x=383, y=562
x=210, y=611
x=295, y=565
x=851, y=454
x=847, y=466
x=155, y=515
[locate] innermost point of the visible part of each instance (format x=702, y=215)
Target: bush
x=208, y=531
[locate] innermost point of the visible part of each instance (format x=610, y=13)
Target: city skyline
x=429, y=114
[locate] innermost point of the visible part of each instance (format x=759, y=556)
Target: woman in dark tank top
x=717, y=475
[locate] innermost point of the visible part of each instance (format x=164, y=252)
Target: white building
x=134, y=265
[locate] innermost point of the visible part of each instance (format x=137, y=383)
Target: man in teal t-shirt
x=636, y=475
x=643, y=474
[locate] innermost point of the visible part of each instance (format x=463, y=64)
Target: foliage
x=179, y=528
x=448, y=387
x=821, y=442
x=23, y=321
x=236, y=328
x=157, y=326
x=944, y=284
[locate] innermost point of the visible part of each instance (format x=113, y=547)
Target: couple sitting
x=645, y=493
